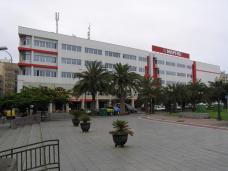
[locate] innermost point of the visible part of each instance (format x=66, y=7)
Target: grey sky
x=198, y=27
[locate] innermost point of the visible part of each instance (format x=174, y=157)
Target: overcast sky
x=198, y=27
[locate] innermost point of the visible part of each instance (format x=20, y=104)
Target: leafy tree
x=124, y=82
x=94, y=79
x=149, y=91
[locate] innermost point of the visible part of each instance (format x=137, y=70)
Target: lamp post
x=4, y=48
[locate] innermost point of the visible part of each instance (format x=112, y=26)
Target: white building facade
x=50, y=59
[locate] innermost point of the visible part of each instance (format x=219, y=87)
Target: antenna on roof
x=57, y=21
x=88, y=34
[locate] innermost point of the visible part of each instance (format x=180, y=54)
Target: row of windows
x=87, y=62
x=114, y=54
x=127, y=56
x=175, y=74
x=93, y=51
x=44, y=73
x=133, y=68
x=142, y=59
x=68, y=74
x=44, y=58
x=99, y=52
x=161, y=62
x=108, y=65
x=168, y=63
x=71, y=48
x=71, y=61
x=181, y=74
x=45, y=43
x=170, y=73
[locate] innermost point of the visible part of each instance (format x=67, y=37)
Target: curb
x=189, y=124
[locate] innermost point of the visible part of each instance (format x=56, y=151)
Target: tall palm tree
x=124, y=81
x=149, y=91
x=94, y=79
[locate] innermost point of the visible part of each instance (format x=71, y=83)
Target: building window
x=171, y=73
x=133, y=68
x=44, y=73
x=131, y=57
x=114, y=54
x=71, y=61
x=181, y=74
x=180, y=65
x=161, y=72
x=141, y=69
x=67, y=75
x=189, y=66
x=109, y=65
x=44, y=58
x=93, y=51
x=45, y=43
x=170, y=63
x=161, y=62
x=143, y=59
x=189, y=75
x=26, y=56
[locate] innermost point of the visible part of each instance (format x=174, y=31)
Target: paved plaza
x=156, y=146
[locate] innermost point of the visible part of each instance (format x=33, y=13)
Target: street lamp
x=4, y=48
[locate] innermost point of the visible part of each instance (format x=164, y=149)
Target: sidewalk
x=209, y=123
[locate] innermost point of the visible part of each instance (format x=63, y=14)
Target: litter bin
x=103, y=112
x=201, y=108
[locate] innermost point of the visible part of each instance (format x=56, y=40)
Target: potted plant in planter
x=85, y=124
x=120, y=132
x=76, y=115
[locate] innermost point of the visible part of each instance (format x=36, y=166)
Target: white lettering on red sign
x=173, y=52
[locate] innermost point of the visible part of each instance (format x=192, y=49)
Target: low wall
x=25, y=120
x=194, y=115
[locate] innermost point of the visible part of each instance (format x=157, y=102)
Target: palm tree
x=218, y=93
x=197, y=92
x=94, y=79
x=124, y=81
x=149, y=91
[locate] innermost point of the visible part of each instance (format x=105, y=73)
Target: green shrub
x=121, y=127
x=85, y=118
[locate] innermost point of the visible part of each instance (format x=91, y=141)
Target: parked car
x=128, y=108
x=110, y=110
x=159, y=108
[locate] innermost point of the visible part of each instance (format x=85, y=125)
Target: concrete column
x=50, y=108
x=110, y=100
x=97, y=101
x=132, y=102
x=83, y=104
x=67, y=108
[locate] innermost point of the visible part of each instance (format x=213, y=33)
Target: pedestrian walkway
x=156, y=146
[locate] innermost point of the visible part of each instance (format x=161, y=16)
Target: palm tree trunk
x=122, y=105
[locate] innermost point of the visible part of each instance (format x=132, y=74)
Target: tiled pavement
x=156, y=146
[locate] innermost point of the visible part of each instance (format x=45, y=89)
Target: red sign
x=170, y=52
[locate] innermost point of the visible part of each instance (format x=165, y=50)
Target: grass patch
x=224, y=114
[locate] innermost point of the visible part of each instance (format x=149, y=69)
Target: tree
x=218, y=93
x=197, y=92
x=94, y=79
x=124, y=82
x=149, y=91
